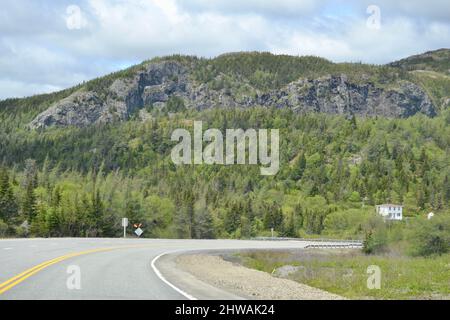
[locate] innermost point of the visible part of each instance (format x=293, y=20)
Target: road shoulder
x=208, y=276
x=173, y=271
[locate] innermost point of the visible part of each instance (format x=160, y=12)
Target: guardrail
x=320, y=243
x=309, y=240
x=335, y=246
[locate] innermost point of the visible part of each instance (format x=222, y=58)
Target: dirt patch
x=247, y=282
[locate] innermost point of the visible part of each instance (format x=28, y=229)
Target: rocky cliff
x=155, y=82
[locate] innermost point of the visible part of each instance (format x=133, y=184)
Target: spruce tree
x=29, y=209
x=232, y=219
x=96, y=213
x=8, y=203
x=273, y=217
x=299, y=167
x=204, y=228
x=447, y=189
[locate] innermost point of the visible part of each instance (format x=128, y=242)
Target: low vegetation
x=345, y=273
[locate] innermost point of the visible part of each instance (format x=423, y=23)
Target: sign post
x=124, y=225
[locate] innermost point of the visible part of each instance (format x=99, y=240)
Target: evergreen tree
x=204, y=227
x=447, y=190
x=232, y=219
x=29, y=206
x=299, y=167
x=8, y=203
x=95, y=215
x=289, y=229
x=273, y=217
x=191, y=217
x=31, y=173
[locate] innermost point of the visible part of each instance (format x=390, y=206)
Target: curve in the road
x=111, y=274
x=163, y=279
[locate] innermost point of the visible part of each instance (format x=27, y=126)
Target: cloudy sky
x=48, y=45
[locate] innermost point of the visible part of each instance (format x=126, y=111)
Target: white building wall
x=390, y=212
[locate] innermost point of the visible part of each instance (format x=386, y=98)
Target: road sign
x=139, y=232
x=124, y=225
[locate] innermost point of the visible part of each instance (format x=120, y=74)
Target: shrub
x=375, y=241
x=346, y=223
x=175, y=104
x=3, y=229
x=429, y=237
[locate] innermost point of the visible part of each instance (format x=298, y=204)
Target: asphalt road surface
x=108, y=268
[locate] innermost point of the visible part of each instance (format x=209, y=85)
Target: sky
x=48, y=45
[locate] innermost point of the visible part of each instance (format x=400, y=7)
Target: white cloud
x=37, y=47
x=18, y=89
x=280, y=8
x=353, y=41
x=37, y=64
x=417, y=9
x=141, y=29
x=309, y=44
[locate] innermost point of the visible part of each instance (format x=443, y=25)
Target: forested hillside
x=80, y=180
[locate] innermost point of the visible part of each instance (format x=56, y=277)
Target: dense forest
x=334, y=169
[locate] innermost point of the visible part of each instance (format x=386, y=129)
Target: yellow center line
x=12, y=282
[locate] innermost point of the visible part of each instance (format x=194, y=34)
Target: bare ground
x=246, y=282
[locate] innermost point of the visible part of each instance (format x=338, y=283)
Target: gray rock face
x=158, y=81
x=336, y=95
x=124, y=97
x=79, y=109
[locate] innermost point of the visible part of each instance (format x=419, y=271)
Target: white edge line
x=160, y=276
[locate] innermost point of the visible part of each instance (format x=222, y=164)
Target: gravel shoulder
x=248, y=283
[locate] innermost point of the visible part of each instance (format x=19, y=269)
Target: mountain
x=75, y=162
x=418, y=84
x=437, y=61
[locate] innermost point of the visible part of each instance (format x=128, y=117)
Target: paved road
x=122, y=271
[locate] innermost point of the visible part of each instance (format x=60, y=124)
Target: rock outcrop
x=337, y=95
x=123, y=98
x=157, y=82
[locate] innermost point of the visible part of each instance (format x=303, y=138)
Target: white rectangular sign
x=124, y=222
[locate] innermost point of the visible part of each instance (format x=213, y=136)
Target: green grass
x=345, y=273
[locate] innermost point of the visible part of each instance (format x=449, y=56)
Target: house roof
x=390, y=205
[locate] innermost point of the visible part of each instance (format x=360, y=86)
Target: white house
x=390, y=211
